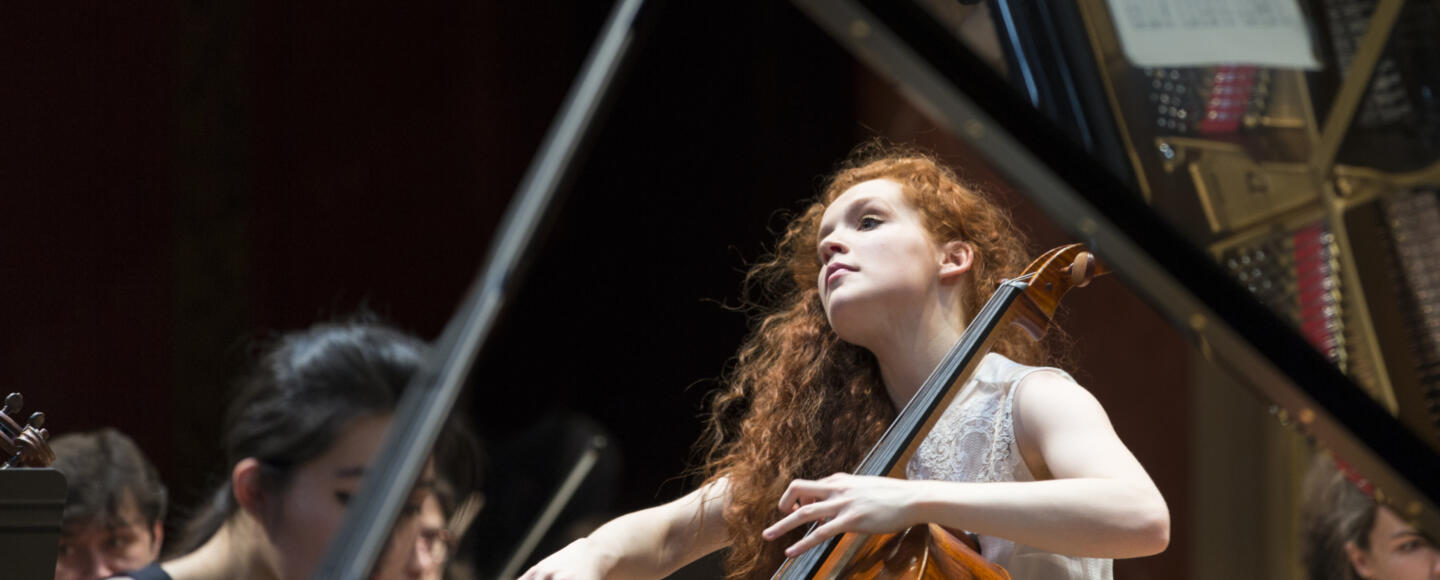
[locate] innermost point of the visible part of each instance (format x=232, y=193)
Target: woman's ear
x=245, y=483
x=956, y=258
x=157, y=538
x=1359, y=560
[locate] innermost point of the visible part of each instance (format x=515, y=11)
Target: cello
x=930, y=551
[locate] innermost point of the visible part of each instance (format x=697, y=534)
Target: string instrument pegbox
x=26, y=446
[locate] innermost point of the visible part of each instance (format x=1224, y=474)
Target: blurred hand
x=578, y=561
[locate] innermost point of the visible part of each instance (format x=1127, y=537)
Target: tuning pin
x=13, y=403
x=37, y=420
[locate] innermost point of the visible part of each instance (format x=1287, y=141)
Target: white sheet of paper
x=1268, y=33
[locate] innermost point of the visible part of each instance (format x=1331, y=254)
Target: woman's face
x=875, y=255
x=105, y=546
x=432, y=548
x=1397, y=552
x=314, y=503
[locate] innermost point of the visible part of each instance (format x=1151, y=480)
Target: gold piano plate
x=1236, y=192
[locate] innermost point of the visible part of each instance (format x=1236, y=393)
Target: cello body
x=923, y=552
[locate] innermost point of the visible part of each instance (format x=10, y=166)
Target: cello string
x=914, y=413
x=932, y=390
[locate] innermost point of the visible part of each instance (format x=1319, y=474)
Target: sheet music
x=1168, y=33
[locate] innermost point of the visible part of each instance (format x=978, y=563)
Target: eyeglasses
x=436, y=541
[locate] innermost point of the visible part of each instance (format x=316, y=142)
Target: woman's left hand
x=843, y=503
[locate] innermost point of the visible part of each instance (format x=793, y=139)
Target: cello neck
x=893, y=451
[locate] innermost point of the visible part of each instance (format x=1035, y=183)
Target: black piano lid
x=943, y=79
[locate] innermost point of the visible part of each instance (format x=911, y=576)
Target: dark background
x=183, y=180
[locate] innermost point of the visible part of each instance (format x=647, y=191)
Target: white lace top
x=974, y=440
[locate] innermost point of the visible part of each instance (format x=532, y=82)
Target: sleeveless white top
x=974, y=441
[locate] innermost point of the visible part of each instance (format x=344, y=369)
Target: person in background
x=1348, y=536
x=432, y=546
x=114, y=507
x=454, y=501
x=299, y=438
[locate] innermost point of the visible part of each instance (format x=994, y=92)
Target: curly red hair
x=798, y=402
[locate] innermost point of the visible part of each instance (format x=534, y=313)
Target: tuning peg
x=1082, y=270
x=13, y=403
x=37, y=420
x=32, y=448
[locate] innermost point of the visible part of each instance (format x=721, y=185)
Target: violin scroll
x=26, y=446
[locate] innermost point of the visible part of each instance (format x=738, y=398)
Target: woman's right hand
x=581, y=560
x=649, y=544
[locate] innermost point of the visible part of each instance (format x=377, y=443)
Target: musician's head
x=301, y=433
x=1392, y=549
x=114, y=506
x=899, y=228
x=432, y=550
x=453, y=501
x=1349, y=536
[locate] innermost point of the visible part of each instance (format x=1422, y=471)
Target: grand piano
x=1275, y=209
x=1276, y=215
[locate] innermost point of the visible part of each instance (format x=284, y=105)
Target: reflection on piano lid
x=1413, y=260
x=1244, y=145
x=1295, y=273
x=1207, y=101
x=1397, y=125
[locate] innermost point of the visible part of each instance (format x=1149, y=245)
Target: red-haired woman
x=873, y=284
